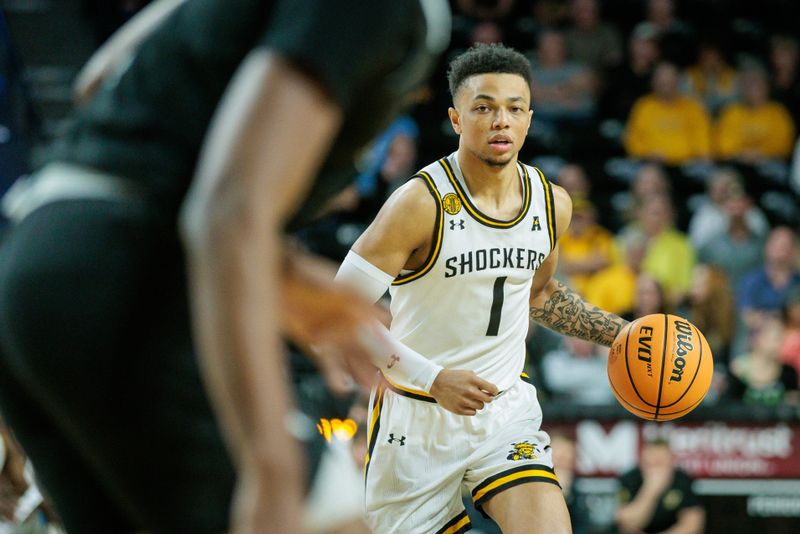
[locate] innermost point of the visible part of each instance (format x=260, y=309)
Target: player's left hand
x=329, y=322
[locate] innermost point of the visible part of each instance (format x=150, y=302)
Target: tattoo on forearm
x=566, y=313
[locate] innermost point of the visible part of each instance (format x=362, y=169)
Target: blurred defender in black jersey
x=98, y=375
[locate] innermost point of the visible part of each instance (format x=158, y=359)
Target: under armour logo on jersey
x=536, y=226
x=460, y=224
x=401, y=439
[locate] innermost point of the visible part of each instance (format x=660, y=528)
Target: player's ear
x=455, y=119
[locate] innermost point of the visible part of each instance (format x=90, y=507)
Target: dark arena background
x=673, y=124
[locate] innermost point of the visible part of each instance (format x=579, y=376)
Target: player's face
x=492, y=115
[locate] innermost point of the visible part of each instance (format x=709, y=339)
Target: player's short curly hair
x=487, y=59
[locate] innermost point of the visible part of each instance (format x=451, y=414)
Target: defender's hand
x=328, y=322
x=462, y=392
x=259, y=509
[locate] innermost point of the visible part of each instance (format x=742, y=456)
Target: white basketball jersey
x=467, y=306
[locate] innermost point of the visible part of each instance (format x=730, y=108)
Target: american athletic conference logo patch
x=522, y=451
x=451, y=203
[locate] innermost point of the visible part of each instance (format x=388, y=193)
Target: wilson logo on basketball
x=683, y=346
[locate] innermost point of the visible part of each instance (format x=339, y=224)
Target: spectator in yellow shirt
x=666, y=126
x=586, y=247
x=614, y=288
x=757, y=128
x=670, y=256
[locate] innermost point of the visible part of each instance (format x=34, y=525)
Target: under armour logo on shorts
x=401, y=439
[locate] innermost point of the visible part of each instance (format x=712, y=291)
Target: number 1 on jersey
x=497, y=306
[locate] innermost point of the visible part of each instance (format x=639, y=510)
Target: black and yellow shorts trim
x=459, y=523
x=510, y=478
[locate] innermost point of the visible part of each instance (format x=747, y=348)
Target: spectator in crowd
x=565, y=90
x=591, y=41
x=576, y=372
x=650, y=180
x=390, y=161
x=675, y=36
x=737, y=249
x=564, y=462
x=614, y=288
x=711, y=79
x=665, y=126
x=486, y=32
x=670, y=256
x=477, y=21
x=657, y=496
x=572, y=177
x=759, y=377
x=763, y=291
x=757, y=128
x=482, y=10
x=711, y=308
x=586, y=247
x=710, y=219
x=785, y=73
x=790, y=345
x=628, y=82
x=650, y=298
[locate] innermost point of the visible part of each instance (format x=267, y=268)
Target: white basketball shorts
x=421, y=456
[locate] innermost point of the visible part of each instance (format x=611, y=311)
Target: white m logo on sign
x=599, y=451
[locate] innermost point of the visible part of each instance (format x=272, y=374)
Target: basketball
x=660, y=367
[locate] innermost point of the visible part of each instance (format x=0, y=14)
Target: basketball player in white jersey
x=468, y=248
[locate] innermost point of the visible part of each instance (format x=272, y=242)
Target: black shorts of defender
x=98, y=377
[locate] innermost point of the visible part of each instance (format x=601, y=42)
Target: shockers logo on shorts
x=451, y=203
x=522, y=451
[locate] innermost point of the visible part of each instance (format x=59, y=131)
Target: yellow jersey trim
x=438, y=230
x=475, y=212
x=551, y=211
x=374, y=425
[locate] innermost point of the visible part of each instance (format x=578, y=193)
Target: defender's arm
x=232, y=227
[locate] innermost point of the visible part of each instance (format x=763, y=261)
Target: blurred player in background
x=469, y=247
x=98, y=375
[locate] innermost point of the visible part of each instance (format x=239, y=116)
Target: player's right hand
x=462, y=392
